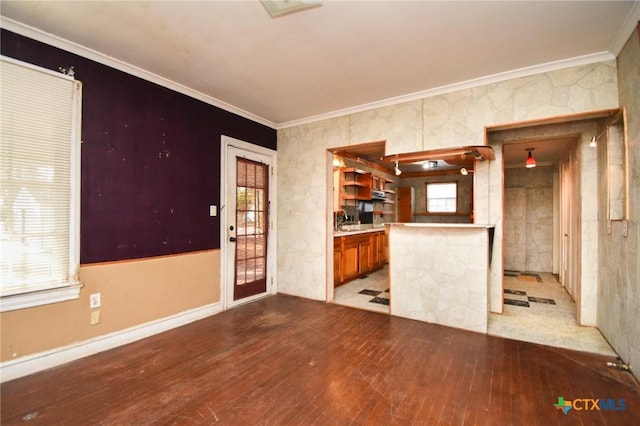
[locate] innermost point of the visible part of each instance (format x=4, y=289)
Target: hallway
x=553, y=324
x=543, y=322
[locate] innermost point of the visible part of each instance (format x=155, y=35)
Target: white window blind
x=39, y=180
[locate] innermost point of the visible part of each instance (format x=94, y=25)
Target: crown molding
x=626, y=29
x=39, y=35
x=468, y=84
x=69, y=46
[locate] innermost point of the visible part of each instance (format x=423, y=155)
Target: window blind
x=38, y=182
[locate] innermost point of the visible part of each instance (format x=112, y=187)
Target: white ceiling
x=342, y=56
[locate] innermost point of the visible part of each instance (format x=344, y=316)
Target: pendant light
x=531, y=162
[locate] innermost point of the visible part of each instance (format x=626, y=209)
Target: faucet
x=335, y=218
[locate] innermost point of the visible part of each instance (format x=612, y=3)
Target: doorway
x=246, y=222
x=360, y=199
x=542, y=240
x=541, y=224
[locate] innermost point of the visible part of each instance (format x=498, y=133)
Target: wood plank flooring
x=290, y=361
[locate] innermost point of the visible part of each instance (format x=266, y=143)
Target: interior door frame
x=226, y=290
x=571, y=227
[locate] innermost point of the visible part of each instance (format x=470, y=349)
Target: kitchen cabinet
x=365, y=264
x=378, y=250
x=351, y=257
x=355, y=184
x=384, y=208
x=357, y=255
x=337, y=262
x=352, y=185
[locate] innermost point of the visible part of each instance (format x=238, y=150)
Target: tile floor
x=370, y=293
x=537, y=309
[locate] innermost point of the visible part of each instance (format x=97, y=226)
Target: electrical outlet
x=94, y=300
x=95, y=317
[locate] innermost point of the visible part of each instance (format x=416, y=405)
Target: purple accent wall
x=150, y=159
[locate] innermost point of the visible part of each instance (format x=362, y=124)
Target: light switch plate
x=94, y=301
x=625, y=228
x=213, y=210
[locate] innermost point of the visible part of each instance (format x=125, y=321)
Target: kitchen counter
x=358, y=231
x=357, y=252
x=439, y=273
x=442, y=225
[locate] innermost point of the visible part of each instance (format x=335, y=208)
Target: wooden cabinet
x=355, y=184
x=384, y=208
x=365, y=265
x=357, y=255
x=352, y=185
x=337, y=262
x=377, y=183
x=378, y=250
x=351, y=257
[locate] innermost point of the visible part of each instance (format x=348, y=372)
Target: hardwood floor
x=285, y=360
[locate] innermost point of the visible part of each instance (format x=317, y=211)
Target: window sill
x=39, y=298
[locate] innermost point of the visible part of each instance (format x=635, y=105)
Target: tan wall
x=132, y=292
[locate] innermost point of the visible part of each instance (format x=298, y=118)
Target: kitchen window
x=442, y=197
x=40, y=183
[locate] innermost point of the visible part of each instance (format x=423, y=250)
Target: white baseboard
x=30, y=364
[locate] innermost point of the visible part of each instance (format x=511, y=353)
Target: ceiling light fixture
x=277, y=8
x=531, y=162
x=397, y=170
x=338, y=161
x=464, y=171
x=430, y=165
x=594, y=139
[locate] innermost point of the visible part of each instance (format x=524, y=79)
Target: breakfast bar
x=439, y=273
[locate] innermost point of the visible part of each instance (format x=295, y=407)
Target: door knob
x=232, y=239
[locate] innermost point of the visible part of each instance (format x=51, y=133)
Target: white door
x=247, y=222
